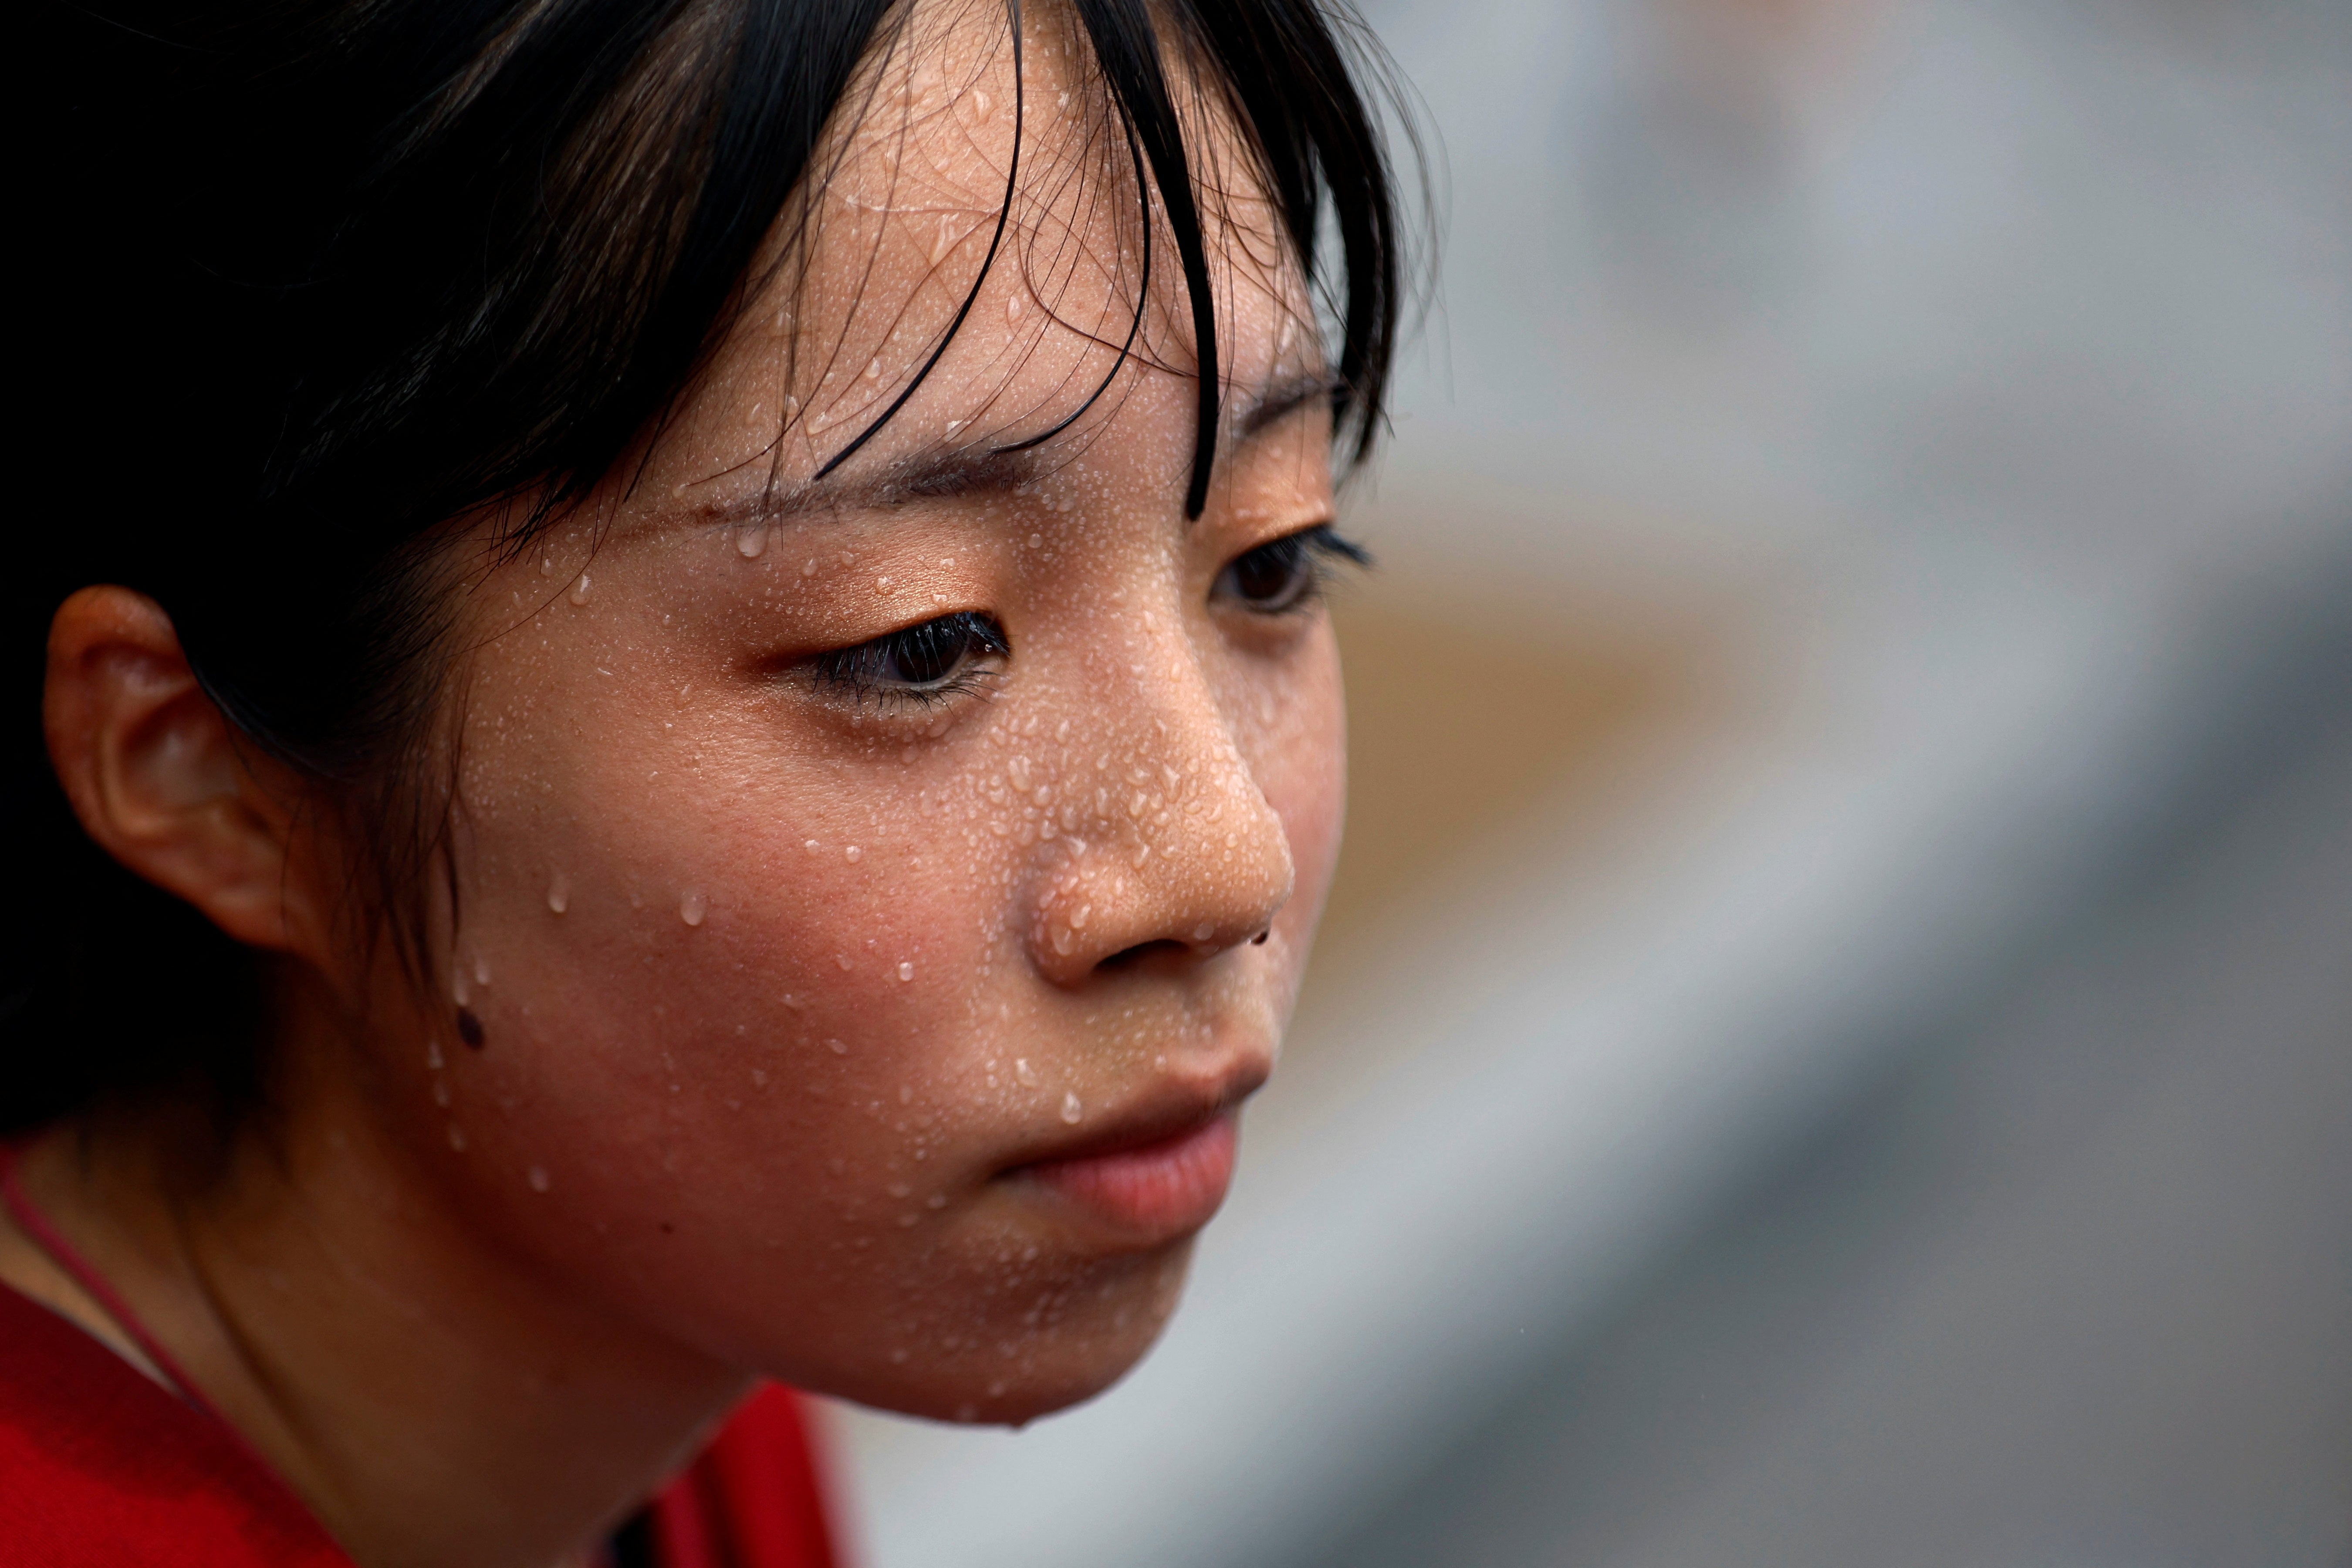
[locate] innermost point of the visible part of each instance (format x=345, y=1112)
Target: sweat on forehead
x=969, y=273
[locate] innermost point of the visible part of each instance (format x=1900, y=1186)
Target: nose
x=1181, y=855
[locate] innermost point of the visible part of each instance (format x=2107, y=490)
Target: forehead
x=970, y=261
x=959, y=133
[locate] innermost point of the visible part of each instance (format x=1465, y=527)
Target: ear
x=158, y=775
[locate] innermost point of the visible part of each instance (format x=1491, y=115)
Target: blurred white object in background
x=1980, y=375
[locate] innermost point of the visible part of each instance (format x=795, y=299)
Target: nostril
x=1126, y=958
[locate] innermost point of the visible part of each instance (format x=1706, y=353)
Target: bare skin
x=786, y=1023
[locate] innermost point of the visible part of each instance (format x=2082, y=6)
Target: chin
x=1004, y=1364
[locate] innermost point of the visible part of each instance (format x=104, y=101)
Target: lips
x=1156, y=1190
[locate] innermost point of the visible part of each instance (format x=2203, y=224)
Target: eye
x=1284, y=573
x=917, y=664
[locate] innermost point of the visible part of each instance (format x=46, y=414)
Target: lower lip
x=1165, y=1190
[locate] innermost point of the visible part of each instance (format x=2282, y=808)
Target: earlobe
x=156, y=774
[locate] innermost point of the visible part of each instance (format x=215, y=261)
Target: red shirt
x=99, y=1467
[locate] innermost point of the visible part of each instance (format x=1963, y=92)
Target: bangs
x=1312, y=153
x=682, y=165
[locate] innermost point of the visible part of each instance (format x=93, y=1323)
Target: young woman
x=684, y=736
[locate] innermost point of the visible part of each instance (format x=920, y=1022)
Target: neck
x=434, y=1400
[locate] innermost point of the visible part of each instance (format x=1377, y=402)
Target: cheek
x=732, y=1009
x=768, y=1070
x=1290, y=722
x=1296, y=743
x=700, y=917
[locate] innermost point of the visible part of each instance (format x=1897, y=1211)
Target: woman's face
x=877, y=894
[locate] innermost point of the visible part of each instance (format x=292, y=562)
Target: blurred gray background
x=1833, y=1039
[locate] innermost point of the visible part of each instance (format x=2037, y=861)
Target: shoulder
x=99, y=1465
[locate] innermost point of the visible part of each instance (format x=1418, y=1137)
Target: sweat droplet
x=456, y=1138
x=855, y=853
x=1025, y=1073
x=906, y=972
x=1203, y=932
x=692, y=906
x=559, y=895
x=433, y=1054
x=836, y=1048
x=539, y=1183
x=751, y=542
x=1072, y=1110
x=481, y=972
x=579, y=594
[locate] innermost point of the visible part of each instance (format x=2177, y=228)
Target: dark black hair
x=301, y=280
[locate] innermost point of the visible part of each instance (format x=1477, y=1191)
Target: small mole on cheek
x=470, y=1028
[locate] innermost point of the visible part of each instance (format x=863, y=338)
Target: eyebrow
x=940, y=476
x=934, y=476
x=1279, y=398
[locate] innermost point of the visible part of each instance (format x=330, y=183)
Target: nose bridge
x=1173, y=839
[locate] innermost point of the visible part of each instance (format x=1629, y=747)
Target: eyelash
x=866, y=673
x=1309, y=555
x=870, y=673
